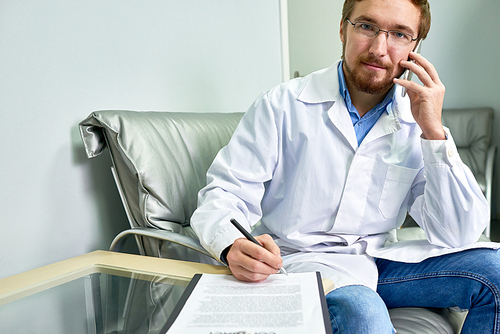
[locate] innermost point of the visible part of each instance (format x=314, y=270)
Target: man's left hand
x=427, y=99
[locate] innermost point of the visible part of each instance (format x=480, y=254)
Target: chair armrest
x=119, y=240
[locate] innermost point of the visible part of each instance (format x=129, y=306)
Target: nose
x=379, y=44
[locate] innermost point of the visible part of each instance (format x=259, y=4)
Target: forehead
x=388, y=14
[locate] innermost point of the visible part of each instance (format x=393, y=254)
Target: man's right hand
x=253, y=263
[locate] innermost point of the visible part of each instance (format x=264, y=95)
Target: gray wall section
x=61, y=60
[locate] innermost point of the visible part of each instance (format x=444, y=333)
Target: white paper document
x=279, y=305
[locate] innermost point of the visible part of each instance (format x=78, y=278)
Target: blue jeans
x=468, y=279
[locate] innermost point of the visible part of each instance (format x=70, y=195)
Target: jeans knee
x=483, y=266
x=358, y=309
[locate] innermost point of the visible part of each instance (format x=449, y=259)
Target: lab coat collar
x=401, y=106
x=323, y=86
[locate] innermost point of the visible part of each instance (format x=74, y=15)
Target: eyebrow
x=399, y=27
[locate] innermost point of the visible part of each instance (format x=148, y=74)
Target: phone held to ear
x=407, y=74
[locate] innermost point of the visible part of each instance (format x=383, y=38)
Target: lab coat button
x=451, y=153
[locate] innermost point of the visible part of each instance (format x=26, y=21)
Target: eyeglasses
x=368, y=30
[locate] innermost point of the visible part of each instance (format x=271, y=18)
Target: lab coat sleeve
x=449, y=205
x=236, y=179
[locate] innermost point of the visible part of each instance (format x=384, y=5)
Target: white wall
x=463, y=45
x=314, y=34
x=60, y=60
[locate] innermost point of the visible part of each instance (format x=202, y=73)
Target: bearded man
x=323, y=169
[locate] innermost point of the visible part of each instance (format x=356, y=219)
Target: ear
x=341, y=30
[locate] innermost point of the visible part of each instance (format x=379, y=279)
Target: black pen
x=252, y=239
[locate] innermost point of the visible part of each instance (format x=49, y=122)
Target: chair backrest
x=472, y=130
x=161, y=158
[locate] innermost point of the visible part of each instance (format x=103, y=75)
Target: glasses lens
x=399, y=38
x=366, y=29
x=370, y=31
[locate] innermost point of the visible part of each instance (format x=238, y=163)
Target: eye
x=399, y=34
x=366, y=26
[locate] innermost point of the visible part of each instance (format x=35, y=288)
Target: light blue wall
x=60, y=60
x=463, y=45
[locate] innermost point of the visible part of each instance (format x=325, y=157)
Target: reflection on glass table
x=112, y=297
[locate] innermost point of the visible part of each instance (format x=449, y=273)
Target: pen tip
x=283, y=271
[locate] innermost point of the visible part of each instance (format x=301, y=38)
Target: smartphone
x=407, y=74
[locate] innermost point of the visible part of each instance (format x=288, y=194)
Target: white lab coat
x=294, y=164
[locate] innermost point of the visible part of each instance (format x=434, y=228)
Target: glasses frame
x=378, y=30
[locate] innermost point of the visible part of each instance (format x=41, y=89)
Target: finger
x=427, y=66
x=422, y=75
x=242, y=274
x=429, y=87
x=411, y=87
x=250, y=270
x=263, y=253
x=249, y=256
x=268, y=243
x=418, y=70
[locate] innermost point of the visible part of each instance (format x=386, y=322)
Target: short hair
x=425, y=15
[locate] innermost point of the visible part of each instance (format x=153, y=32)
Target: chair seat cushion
x=413, y=320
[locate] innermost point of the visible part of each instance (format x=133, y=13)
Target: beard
x=366, y=82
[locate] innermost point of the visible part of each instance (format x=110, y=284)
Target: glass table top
x=104, y=293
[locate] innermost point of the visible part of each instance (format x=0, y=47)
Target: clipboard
x=196, y=279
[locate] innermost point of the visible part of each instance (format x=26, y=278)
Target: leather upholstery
x=161, y=168
x=472, y=131
x=161, y=159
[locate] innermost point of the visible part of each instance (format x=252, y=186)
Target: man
x=331, y=163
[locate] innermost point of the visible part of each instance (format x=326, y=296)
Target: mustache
x=374, y=60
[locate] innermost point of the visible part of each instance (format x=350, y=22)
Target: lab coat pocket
x=397, y=184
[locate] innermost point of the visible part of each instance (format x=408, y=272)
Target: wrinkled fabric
x=294, y=165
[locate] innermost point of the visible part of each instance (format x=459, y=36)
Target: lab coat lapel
x=323, y=87
x=339, y=116
x=388, y=123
